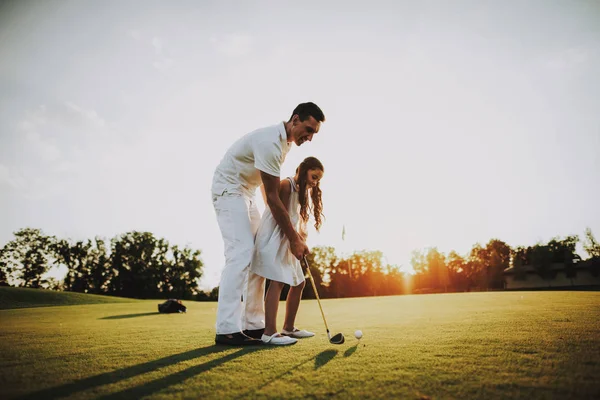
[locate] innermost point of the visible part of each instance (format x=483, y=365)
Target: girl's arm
x=303, y=231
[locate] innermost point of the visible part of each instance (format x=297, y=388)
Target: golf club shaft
x=312, y=281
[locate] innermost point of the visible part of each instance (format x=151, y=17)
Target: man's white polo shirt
x=261, y=150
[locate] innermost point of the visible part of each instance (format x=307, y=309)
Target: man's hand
x=299, y=248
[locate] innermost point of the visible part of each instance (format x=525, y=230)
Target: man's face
x=303, y=131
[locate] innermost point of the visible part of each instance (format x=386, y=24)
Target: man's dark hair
x=307, y=110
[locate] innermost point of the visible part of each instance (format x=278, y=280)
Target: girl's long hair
x=317, y=204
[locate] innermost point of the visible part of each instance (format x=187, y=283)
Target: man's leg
x=254, y=315
x=238, y=237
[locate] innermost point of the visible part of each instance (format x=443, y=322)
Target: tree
x=556, y=251
x=134, y=264
x=436, y=264
x=323, y=262
x=27, y=258
x=418, y=262
x=100, y=271
x=541, y=259
x=74, y=256
x=564, y=250
x=430, y=268
x=519, y=261
x=478, y=266
x=3, y=270
x=180, y=270
x=203, y=295
x=143, y=266
x=498, y=260
x=393, y=281
x=361, y=274
x=87, y=263
x=457, y=272
x=591, y=245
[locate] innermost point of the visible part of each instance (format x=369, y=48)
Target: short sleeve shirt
x=264, y=150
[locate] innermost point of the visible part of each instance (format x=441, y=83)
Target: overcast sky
x=448, y=122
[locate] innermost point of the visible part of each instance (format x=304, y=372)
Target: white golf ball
x=358, y=334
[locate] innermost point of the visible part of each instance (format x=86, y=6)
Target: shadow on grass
x=350, y=350
x=324, y=357
x=112, y=377
x=123, y=316
x=320, y=359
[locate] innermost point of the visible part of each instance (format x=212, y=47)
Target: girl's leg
x=292, y=304
x=271, y=306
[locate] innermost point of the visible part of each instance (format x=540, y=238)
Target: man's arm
x=279, y=211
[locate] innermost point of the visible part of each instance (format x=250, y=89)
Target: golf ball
x=358, y=334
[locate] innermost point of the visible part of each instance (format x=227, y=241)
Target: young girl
x=273, y=258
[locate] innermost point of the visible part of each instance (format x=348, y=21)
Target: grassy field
x=540, y=345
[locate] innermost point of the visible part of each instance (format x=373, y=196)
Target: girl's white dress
x=272, y=256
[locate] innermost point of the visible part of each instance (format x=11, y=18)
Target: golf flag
x=344, y=232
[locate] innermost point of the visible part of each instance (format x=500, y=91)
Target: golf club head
x=337, y=339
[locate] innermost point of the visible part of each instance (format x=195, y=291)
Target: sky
x=449, y=123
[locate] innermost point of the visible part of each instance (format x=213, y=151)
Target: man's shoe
x=254, y=333
x=237, y=339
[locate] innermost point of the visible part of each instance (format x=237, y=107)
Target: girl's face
x=313, y=176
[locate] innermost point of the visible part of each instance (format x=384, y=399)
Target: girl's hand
x=299, y=248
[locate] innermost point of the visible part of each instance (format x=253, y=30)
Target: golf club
x=337, y=338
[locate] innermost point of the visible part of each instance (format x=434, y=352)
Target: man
x=253, y=160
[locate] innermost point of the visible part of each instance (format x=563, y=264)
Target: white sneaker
x=296, y=333
x=278, y=340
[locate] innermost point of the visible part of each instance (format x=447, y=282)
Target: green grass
x=539, y=345
x=11, y=297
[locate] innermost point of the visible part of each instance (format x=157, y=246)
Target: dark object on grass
x=172, y=306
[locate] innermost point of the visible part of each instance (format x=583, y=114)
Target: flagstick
x=344, y=254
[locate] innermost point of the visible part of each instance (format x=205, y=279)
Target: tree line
x=135, y=264
x=140, y=265
x=483, y=267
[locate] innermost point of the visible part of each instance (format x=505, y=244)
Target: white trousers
x=238, y=220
